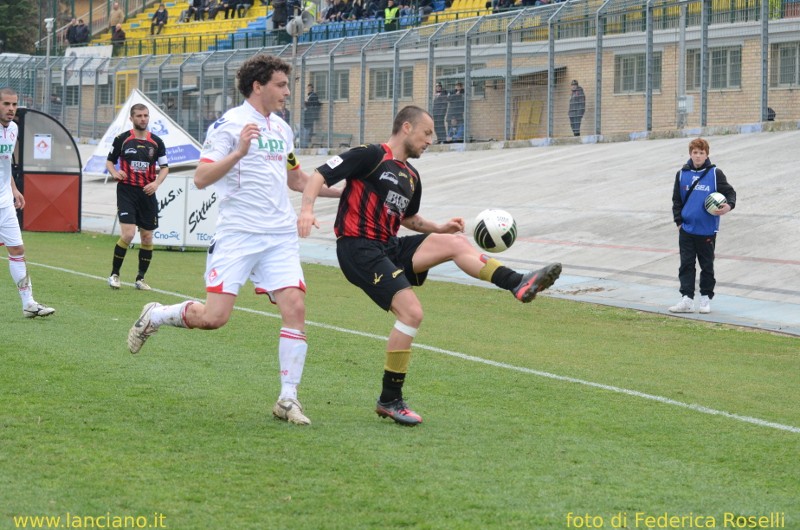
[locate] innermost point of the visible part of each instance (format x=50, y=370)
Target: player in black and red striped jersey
x=143, y=167
x=382, y=193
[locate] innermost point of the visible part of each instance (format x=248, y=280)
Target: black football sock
x=145, y=255
x=120, y=249
x=506, y=278
x=392, y=386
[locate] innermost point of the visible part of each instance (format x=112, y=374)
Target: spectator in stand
x=242, y=6
x=356, y=10
x=425, y=9
x=405, y=9
x=499, y=6
x=325, y=10
x=212, y=9
x=439, y=113
x=159, y=20
x=118, y=39
x=455, y=133
x=280, y=14
x=115, y=16
x=347, y=6
x=195, y=10
x=372, y=9
x=81, y=33
x=391, y=21
x=334, y=14
x=71, y=37
x=455, y=104
x=310, y=115
x=230, y=7
x=310, y=6
x=284, y=114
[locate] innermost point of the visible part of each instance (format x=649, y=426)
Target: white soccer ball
x=495, y=230
x=714, y=201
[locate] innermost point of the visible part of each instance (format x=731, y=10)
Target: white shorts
x=271, y=262
x=10, y=234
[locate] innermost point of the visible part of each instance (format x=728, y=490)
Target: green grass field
x=184, y=429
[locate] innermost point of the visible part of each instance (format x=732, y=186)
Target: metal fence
x=662, y=65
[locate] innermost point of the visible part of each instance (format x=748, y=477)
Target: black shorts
x=135, y=207
x=380, y=269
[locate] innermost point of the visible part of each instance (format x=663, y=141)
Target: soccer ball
x=714, y=201
x=495, y=230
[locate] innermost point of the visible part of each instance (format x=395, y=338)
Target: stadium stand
x=180, y=36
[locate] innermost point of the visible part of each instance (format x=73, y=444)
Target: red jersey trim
x=218, y=289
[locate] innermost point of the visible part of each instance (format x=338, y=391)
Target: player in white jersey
x=248, y=156
x=11, y=200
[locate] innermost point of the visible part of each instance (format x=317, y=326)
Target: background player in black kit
x=382, y=193
x=142, y=168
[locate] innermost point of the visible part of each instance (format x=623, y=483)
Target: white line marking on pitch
x=471, y=358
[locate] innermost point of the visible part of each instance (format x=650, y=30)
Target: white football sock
x=19, y=273
x=292, y=348
x=171, y=315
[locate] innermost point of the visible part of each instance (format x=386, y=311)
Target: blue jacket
x=691, y=215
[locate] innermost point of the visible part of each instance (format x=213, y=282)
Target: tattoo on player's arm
x=417, y=224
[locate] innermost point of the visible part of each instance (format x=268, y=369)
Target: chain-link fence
x=582, y=67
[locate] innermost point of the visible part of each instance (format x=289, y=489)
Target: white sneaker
x=142, y=329
x=113, y=281
x=290, y=410
x=35, y=309
x=686, y=305
x=705, y=305
x=142, y=286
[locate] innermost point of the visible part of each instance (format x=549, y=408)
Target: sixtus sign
x=187, y=216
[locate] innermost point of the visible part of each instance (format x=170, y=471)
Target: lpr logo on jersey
x=272, y=145
x=275, y=149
